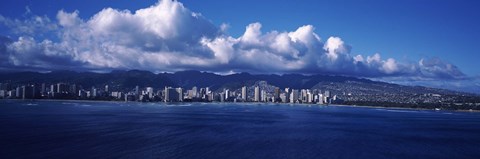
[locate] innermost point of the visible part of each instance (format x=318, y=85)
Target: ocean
x=90, y=129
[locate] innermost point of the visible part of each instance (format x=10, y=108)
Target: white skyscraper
x=309, y=97
x=227, y=94
x=294, y=96
x=149, y=92
x=94, y=92
x=244, y=93
x=263, y=96
x=180, y=94
x=257, y=94
x=320, y=98
x=195, y=92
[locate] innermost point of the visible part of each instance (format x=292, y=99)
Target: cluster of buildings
x=288, y=95
x=33, y=91
x=255, y=93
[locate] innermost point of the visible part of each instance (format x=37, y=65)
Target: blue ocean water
x=86, y=129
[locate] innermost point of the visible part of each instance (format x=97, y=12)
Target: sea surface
x=87, y=129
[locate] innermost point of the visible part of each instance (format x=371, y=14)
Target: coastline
x=407, y=108
x=249, y=103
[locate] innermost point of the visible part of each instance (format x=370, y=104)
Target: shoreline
x=407, y=108
x=256, y=103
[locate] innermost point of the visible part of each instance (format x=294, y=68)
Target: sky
x=415, y=42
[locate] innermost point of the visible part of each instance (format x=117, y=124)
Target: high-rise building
x=3, y=93
x=28, y=92
x=137, y=91
x=309, y=97
x=73, y=88
x=43, y=89
x=18, y=92
x=194, y=92
x=283, y=98
x=287, y=95
x=222, y=97
x=211, y=96
x=172, y=95
x=244, y=93
x=62, y=88
x=94, y=92
x=276, y=94
x=53, y=89
x=82, y=93
x=227, y=94
x=320, y=98
x=167, y=94
x=263, y=96
x=294, y=96
x=149, y=92
x=257, y=94
x=180, y=94
x=303, y=95
x=202, y=93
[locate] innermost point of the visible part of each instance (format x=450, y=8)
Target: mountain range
x=127, y=80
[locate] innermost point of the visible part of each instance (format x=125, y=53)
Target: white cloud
x=252, y=34
x=358, y=58
x=390, y=66
x=169, y=37
x=335, y=46
x=222, y=48
x=68, y=19
x=305, y=35
x=374, y=59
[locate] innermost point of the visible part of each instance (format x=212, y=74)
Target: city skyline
x=194, y=86
x=191, y=35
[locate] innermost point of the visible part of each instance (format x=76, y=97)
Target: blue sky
x=439, y=33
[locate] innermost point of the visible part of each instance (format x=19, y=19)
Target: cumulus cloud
x=168, y=36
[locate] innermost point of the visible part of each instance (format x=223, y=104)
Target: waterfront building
x=294, y=96
x=194, y=92
x=180, y=94
x=227, y=94
x=28, y=92
x=276, y=94
x=244, y=93
x=149, y=92
x=172, y=94
x=257, y=94
x=283, y=97
x=320, y=99
x=18, y=92
x=61, y=88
